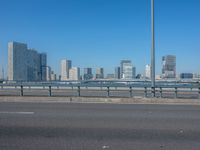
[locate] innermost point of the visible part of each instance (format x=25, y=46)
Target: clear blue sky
x=100, y=33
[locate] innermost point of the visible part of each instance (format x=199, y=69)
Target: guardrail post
x=2, y=87
x=21, y=91
x=108, y=91
x=160, y=92
x=153, y=91
x=79, y=91
x=199, y=92
x=131, y=92
x=49, y=90
x=176, y=92
x=145, y=91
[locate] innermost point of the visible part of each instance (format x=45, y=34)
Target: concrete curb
x=135, y=100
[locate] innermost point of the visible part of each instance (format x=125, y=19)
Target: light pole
x=152, y=50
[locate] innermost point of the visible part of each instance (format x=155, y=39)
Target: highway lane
x=69, y=126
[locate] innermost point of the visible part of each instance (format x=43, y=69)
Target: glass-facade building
x=66, y=65
x=25, y=64
x=169, y=66
x=126, y=69
x=99, y=73
x=87, y=74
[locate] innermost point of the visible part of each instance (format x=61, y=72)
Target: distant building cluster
x=26, y=64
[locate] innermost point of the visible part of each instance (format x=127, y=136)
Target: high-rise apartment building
x=99, y=73
x=134, y=73
x=48, y=73
x=25, y=64
x=43, y=66
x=65, y=66
x=148, y=72
x=126, y=69
x=117, y=73
x=87, y=74
x=74, y=73
x=169, y=66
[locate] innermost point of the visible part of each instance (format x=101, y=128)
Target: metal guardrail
x=102, y=88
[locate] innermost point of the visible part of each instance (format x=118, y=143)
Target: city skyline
x=38, y=69
x=101, y=30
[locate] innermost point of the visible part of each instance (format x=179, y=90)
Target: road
x=87, y=126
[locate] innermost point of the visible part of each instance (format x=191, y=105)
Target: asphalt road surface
x=70, y=126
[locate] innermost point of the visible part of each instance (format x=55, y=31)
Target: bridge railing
x=102, y=88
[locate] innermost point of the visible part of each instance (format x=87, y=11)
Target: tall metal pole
x=152, y=50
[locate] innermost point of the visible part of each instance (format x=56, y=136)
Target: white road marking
x=105, y=147
x=17, y=112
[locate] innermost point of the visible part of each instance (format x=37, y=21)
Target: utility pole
x=152, y=50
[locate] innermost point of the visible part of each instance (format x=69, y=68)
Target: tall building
x=99, y=73
x=48, y=73
x=87, y=74
x=25, y=64
x=117, y=73
x=74, y=73
x=53, y=76
x=17, y=66
x=65, y=66
x=43, y=67
x=134, y=73
x=169, y=66
x=148, y=72
x=1, y=73
x=126, y=69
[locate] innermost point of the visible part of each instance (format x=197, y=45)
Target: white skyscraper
x=48, y=73
x=148, y=71
x=126, y=69
x=17, y=62
x=65, y=67
x=169, y=66
x=74, y=73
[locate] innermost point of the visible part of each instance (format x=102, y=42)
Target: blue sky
x=100, y=33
